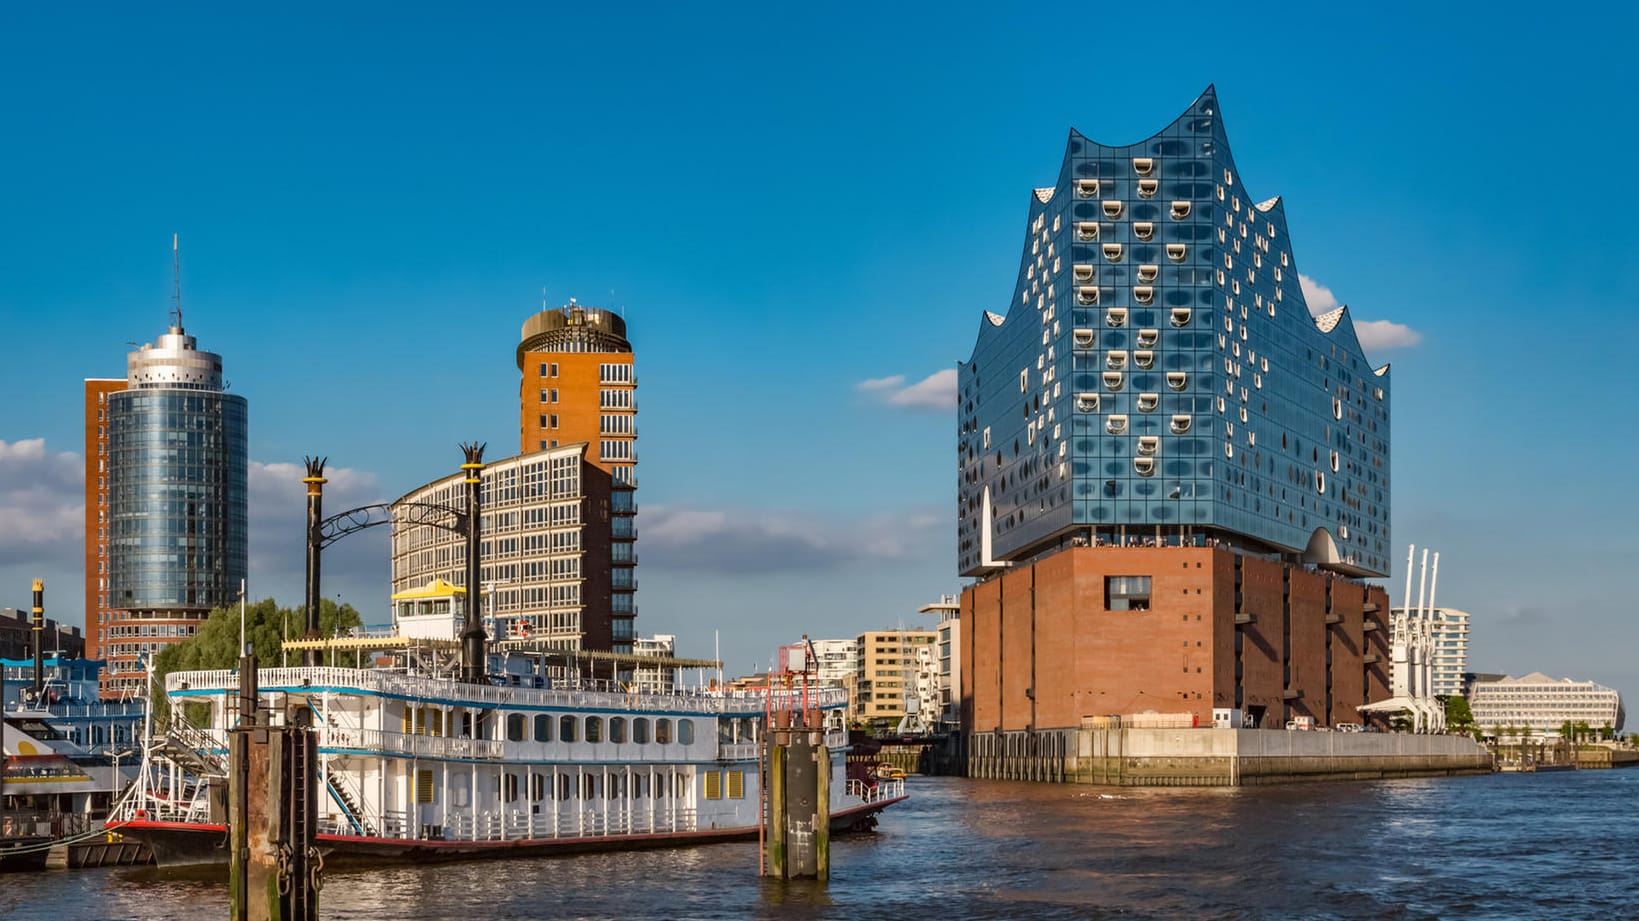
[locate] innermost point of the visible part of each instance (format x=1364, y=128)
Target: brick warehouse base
x=1066, y=637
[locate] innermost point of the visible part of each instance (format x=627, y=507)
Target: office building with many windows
x=1169, y=471
x=549, y=519
x=1537, y=705
x=175, y=486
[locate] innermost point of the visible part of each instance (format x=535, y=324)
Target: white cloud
x=278, y=519
x=748, y=541
x=1382, y=334
x=42, y=504
x=1319, y=297
x=934, y=393
x=1373, y=334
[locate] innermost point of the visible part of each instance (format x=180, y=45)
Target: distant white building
x=654, y=679
x=1540, y=705
x=837, y=660
x=1448, y=634
x=949, y=653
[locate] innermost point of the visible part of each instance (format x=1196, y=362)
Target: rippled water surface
x=1560, y=846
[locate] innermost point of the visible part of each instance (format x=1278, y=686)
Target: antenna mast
x=176, y=283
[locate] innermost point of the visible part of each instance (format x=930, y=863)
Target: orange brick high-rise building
x=579, y=386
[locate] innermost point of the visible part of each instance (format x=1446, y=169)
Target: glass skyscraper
x=177, y=471
x=1157, y=377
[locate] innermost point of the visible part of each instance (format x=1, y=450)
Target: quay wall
x=1217, y=757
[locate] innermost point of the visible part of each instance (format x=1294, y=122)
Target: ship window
x=424, y=789
x=563, y=787
x=543, y=728
x=511, y=788
x=537, y=787
x=515, y=727
x=568, y=728
x=594, y=729
x=617, y=729
x=685, y=732
x=663, y=731
x=714, y=784
x=640, y=730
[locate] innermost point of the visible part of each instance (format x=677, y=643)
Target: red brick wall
x=1044, y=627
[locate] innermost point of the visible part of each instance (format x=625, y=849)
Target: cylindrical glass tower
x=177, y=497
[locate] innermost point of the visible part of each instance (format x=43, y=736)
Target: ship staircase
x=343, y=795
x=191, y=747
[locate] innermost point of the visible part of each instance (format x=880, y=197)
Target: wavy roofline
x=1211, y=90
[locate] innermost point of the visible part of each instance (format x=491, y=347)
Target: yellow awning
x=437, y=588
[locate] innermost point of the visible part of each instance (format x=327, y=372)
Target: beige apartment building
x=886, y=676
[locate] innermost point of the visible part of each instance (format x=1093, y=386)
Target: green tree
x=1459, y=717
x=1400, y=721
x=216, y=645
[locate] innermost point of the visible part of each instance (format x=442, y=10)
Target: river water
x=1560, y=846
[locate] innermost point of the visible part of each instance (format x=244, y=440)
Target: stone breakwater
x=1217, y=757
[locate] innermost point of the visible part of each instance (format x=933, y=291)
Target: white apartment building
x=1448, y=628
x=1539, y=705
x=838, y=660
x=653, y=679
x=948, y=609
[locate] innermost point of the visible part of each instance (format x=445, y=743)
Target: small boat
x=414, y=765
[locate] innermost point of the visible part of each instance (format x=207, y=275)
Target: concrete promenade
x=1218, y=757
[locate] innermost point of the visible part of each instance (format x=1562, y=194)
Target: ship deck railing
x=878, y=792
x=379, y=741
x=706, y=701
x=517, y=825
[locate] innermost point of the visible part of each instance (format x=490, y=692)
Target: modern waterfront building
x=659, y=678
x=175, y=486
x=1169, y=471
x=896, y=674
x=548, y=531
x=1449, y=634
x=578, y=385
x=1539, y=705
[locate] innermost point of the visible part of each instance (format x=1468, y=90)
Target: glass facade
x=177, y=499
x=1157, y=376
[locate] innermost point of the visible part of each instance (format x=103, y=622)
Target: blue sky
x=789, y=204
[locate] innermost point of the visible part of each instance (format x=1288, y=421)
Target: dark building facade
x=1170, y=472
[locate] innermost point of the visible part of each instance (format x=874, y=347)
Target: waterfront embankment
x=1218, y=757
